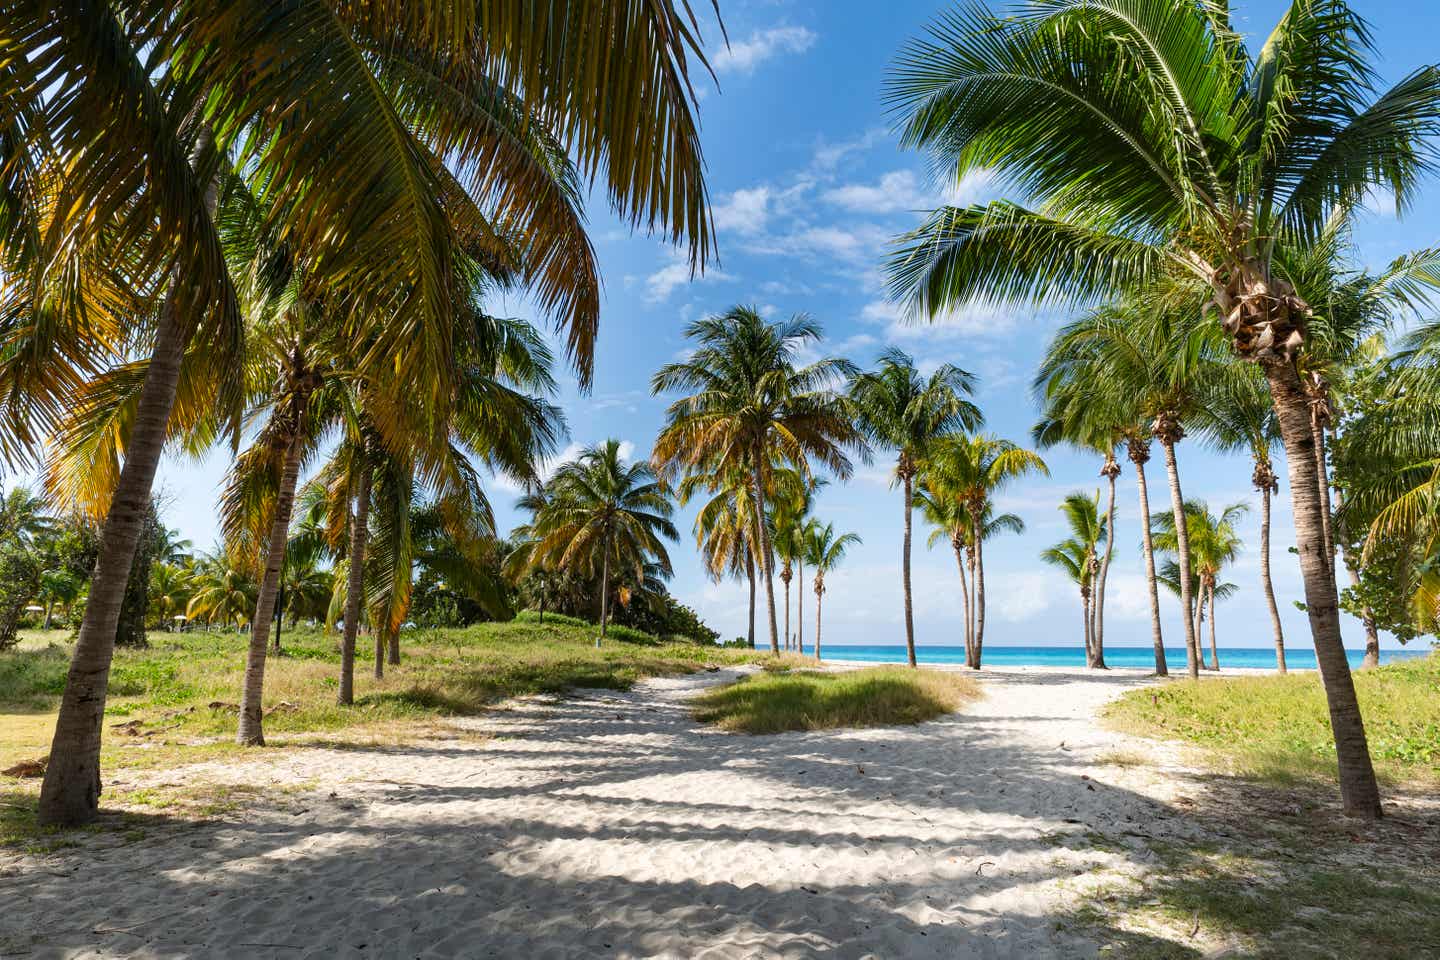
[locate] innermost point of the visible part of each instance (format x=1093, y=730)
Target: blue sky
x=808, y=185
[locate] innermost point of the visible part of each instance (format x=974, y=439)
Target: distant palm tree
x=224, y=590
x=171, y=586
x=824, y=551
x=951, y=519
x=725, y=530
x=902, y=410
x=1077, y=554
x=1214, y=543
x=753, y=407
x=605, y=514
x=971, y=469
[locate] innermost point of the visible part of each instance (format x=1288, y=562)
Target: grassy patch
x=175, y=701
x=1277, y=728
x=883, y=696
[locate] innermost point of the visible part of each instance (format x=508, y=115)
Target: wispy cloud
x=744, y=56
x=676, y=274
x=973, y=319
x=904, y=190
x=744, y=211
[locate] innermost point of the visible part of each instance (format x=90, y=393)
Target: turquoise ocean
x=1298, y=657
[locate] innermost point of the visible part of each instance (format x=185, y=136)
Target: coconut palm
x=752, y=409
x=171, y=587
x=1213, y=158
x=1077, y=554
x=902, y=410
x=725, y=530
x=1240, y=418
x=824, y=551
x=1214, y=544
x=141, y=110
x=224, y=589
x=973, y=469
x=604, y=514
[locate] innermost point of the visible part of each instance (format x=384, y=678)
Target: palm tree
x=1214, y=543
x=1077, y=555
x=1242, y=418
x=753, y=409
x=1212, y=159
x=725, y=530
x=224, y=590
x=603, y=514
x=171, y=587
x=102, y=103
x=824, y=551
x=900, y=409
x=971, y=470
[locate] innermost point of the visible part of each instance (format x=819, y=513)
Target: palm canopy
x=1076, y=554
x=1152, y=141
x=899, y=408
x=1214, y=541
x=824, y=549
x=751, y=402
x=971, y=469
x=604, y=511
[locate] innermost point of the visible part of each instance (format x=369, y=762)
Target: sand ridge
x=610, y=824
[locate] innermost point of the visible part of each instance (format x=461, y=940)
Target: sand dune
x=611, y=825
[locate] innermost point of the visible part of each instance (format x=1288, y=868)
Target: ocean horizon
x=1296, y=658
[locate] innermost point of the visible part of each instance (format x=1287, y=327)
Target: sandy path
x=611, y=825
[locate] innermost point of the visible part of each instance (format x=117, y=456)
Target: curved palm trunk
x=70, y=794
x=1139, y=453
x=1359, y=791
x=907, y=480
x=1182, y=537
x=1111, y=470
x=251, y=732
x=767, y=559
x=1266, y=582
x=354, y=587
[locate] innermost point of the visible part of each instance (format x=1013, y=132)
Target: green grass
x=165, y=693
x=1277, y=729
x=883, y=696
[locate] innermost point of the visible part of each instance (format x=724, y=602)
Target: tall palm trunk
x=955, y=543
x=1214, y=650
x=767, y=559
x=354, y=586
x=1359, y=791
x=1168, y=433
x=819, y=593
x=750, y=575
x=392, y=656
x=251, y=732
x=907, y=481
x=1110, y=470
x=70, y=794
x=1319, y=414
x=785, y=574
x=605, y=587
x=381, y=633
x=1139, y=451
x=973, y=662
x=1265, y=482
x=1089, y=622
x=979, y=551
x=800, y=608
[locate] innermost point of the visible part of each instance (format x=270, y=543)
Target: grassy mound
x=1278, y=729
x=882, y=696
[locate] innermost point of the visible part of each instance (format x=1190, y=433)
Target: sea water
x=1297, y=658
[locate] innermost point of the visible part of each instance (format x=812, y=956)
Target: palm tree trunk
x=819, y=592
x=786, y=581
x=979, y=600
x=1139, y=453
x=750, y=575
x=605, y=589
x=1266, y=582
x=767, y=559
x=1372, y=636
x=1322, y=481
x=1089, y=623
x=800, y=608
x=250, y=731
x=973, y=663
x=907, y=481
x=70, y=794
x=49, y=607
x=964, y=598
x=1360, y=794
x=1182, y=537
x=381, y=631
x=393, y=655
x=1214, y=650
x=354, y=586
x=1112, y=470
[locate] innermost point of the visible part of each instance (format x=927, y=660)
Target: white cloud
x=1016, y=597
x=549, y=465
x=675, y=274
x=745, y=55
x=902, y=190
x=973, y=319
x=828, y=155
x=744, y=211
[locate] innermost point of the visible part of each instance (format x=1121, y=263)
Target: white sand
x=611, y=825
